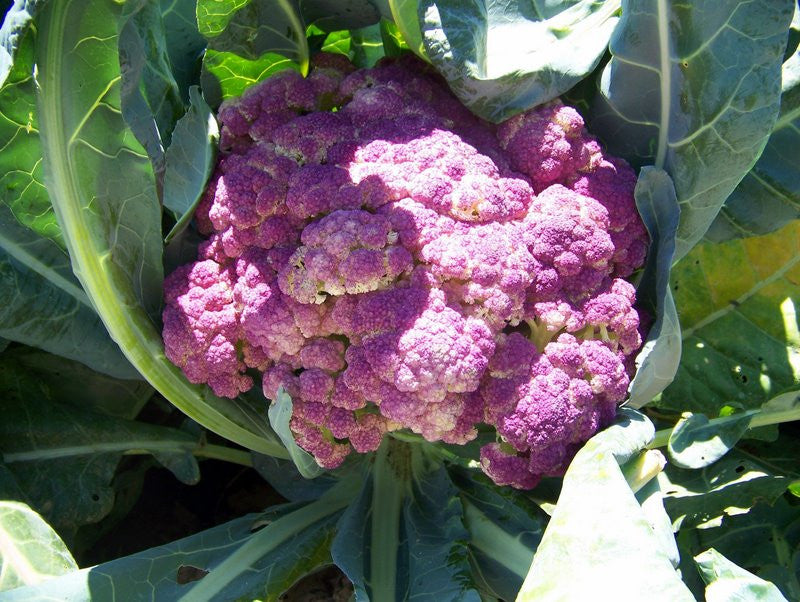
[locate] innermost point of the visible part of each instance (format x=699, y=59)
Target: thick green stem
x=269, y=539
x=495, y=542
x=241, y=457
x=643, y=468
x=391, y=475
x=127, y=448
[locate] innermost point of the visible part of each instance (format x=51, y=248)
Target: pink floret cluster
x=393, y=262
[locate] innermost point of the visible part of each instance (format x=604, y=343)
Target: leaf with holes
x=64, y=456
x=257, y=556
x=731, y=486
x=695, y=442
x=738, y=305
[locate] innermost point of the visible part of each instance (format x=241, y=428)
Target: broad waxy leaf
x=112, y=224
x=286, y=480
x=280, y=413
x=731, y=486
x=252, y=557
x=502, y=57
x=150, y=99
x=43, y=305
x=22, y=187
x=190, y=160
x=651, y=499
x=403, y=537
x=281, y=552
x=71, y=382
x=184, y=43
x=505, y=527
x=393, y=42
x=741, y=337
x=367, y=46
x=64, y=456
x=248, y=41
x=30, y=550
x=694, y=89
x=657, y=362
x=695, y=442
x=598, y=539
x=765, y=542
x=769, y=195
x=334, y=15
x=727, y=582
x=437, y=563
x=227, y=75
x=404, y=14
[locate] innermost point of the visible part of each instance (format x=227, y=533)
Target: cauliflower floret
x=346, y=252
x=393, y=262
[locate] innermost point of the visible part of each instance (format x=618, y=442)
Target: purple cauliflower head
x=393, y=262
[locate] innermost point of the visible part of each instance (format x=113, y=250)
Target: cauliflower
x=393, y=262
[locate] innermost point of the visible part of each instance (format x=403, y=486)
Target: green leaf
x=599, y=531
x=393, y=42
x=769, y=195
x=286, y=480
x=727, y=582
x=403, y=537
x=64, y=456
x=150, y=98
x=695, y=442
x=184, y=43
x=253, y=557
x=765, y=542
x=71, y=382
x=738, y=303
x=350, y=547
x=367, y=46
x=190, y=161
x=337, y=42
x=504, y=526
x=226, y=74
x=282, y=552
x=694, y=89
x=102, y=188
x=280, y=414
x=438, y=564
x=657, y=362
x=504, y=57
x=247, y=41
x=43, y=305
x=731, y=486
x=651, y=499
x=22, y=187
x=404, y=13
x=333, y=15
x=31, y=551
